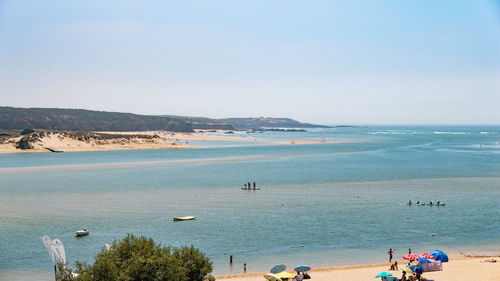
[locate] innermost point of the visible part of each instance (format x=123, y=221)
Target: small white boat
x=81, y=232
x=188, y=218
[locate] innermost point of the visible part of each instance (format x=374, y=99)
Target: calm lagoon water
x=320, y=204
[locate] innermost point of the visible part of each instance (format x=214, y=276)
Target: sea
x=324, y=203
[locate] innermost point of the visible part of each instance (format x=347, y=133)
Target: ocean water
x=320, y=204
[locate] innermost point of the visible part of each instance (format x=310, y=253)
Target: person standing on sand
x=409, y=251
x=254, y=185
x=244, y=268
x=231, y=259
x=390, y=252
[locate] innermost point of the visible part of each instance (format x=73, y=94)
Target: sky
x=329, y=62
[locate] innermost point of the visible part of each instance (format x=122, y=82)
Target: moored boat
x=187, y=218
x=81, y=232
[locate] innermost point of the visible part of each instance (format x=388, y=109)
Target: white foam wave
x=488, y=133
x=394, y=132
x=451, y=133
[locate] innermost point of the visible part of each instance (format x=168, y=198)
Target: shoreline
x=146, y=140
x=462, y=266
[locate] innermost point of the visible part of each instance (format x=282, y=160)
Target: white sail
x=47, y=243
x=59, y=251
x=108, y=247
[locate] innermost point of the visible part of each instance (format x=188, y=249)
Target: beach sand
x=129, y=141
x=460, y=268
x=67, y=142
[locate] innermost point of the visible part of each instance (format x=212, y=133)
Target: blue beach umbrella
x=383, y=274
x=277, y=268
x=302, y=268
x=439, y=255
x=423, y=260
x=419, y=269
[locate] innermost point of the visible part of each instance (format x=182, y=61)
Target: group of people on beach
x=248, y=186
x=394, y=266
x=301, y=276
x=422, y=203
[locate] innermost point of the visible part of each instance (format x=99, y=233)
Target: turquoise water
x=320, y=204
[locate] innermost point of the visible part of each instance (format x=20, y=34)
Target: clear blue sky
x=349, y=62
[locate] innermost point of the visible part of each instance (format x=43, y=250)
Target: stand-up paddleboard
x=245, y=188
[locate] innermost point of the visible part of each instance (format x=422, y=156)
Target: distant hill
x=204, y=123
x=267, y=122
x=89, y=120
x=259, y=123
x=86, y=120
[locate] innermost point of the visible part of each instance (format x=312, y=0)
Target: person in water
x=431, y=203
x=409, y=202
x=418, y=202
x=245, y=186
x=254, y=185
x=390, y=252
x=439, y=202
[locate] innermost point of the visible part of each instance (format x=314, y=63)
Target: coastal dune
x=92, y=141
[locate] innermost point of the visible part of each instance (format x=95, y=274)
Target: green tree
x=140, y=258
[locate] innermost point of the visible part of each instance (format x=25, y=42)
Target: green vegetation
x=140, y=258
x=267, y=122
x=27, y=132
x=86, y=120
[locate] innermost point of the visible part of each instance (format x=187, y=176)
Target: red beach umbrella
x=410, y=257
x=427, y=256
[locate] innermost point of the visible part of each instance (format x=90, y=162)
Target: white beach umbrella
x=272, y=277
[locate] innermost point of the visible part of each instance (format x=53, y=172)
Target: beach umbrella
x=410, y=257
x=383, y=274
x=272, y=277
x=285, y=275
x=277, y=268
x=419, y=269
x=302, y=268
x=427, y=256
x=439, y=255
x=423, y=260
x=409, y=270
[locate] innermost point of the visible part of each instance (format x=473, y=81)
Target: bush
x=140, y=258
x=27, y=132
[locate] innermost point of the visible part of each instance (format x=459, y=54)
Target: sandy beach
x=460, y=268
x=128, y=141
x=68, y=142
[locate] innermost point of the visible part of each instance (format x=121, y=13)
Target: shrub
x=27, y=132
x=140, y=258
